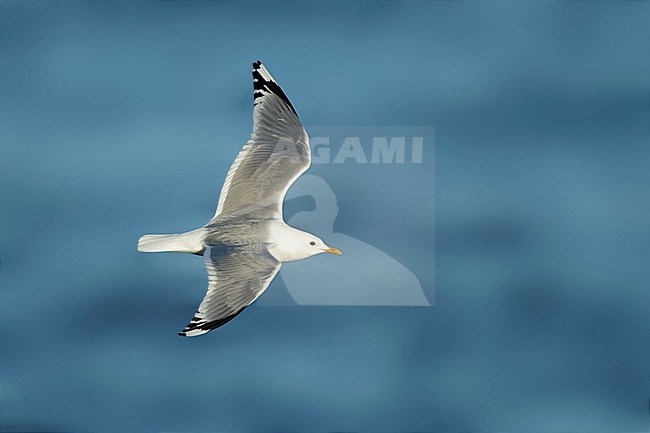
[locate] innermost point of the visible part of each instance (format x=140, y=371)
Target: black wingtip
x=263, y=82
x=197, y=323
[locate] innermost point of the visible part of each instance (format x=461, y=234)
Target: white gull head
x=289, y=244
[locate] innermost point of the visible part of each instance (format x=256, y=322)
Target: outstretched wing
x=272, y=159
x=236, y=277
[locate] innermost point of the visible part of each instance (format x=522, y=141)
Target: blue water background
x=119, y=119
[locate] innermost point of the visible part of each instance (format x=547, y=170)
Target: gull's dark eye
x=312, y=243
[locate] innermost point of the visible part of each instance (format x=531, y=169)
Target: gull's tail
x=189, y=242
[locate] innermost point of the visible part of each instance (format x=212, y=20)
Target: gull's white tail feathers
x=189, y=242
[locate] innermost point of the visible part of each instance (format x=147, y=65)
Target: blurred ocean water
x=119, y=119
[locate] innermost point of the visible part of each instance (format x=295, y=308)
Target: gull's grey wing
x=237, y=275
x=272, y=159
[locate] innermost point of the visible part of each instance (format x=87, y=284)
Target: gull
x=247, y=240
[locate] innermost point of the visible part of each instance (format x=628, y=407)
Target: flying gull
x=247, y=240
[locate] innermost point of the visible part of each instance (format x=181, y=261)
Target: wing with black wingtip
x=272, y=159
x=236, y=277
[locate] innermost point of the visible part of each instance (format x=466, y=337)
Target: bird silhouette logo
x=355, y=280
